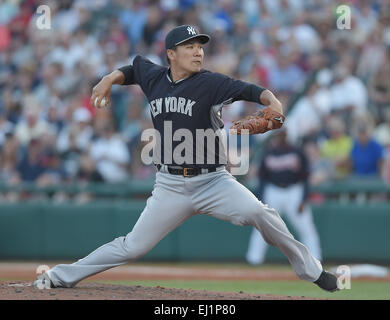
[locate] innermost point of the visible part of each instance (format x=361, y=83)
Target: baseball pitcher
x=189, y=98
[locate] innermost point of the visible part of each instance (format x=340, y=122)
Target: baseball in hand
x=102, y=103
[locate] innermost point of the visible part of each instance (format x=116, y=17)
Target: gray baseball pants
x=174, y=200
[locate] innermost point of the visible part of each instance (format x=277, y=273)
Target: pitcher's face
x=189, y=56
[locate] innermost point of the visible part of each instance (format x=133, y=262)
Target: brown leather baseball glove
x=260, y=122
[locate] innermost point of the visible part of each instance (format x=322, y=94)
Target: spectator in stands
x=87, y=173
x=33, y=125
x=133, y=18
x=305, y=35
x=111, y=154
x=305, y=119
x=286, y=76
x=153, y=24
x=372, y=57
x=366, y=18
x=87, y=170
x=9, y=157
x=379, y=88
x=31, y=165
x=382, y=131
x=224, y=60
x=5, y=128
x=74, y=139
x=77, y=135
x=54, y=172
x=348, y=94
x=132, y=129
x=366, y=153
x=54, y=119
x=337, y=147
x=320, y=168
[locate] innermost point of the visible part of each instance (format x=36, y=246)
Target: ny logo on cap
x=191, y=30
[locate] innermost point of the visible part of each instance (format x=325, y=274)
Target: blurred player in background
x=283, y=185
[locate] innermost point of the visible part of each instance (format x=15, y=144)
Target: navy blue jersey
x=193, y=103
x=284, y=166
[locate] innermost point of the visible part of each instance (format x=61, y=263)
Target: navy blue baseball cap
x=183, y=33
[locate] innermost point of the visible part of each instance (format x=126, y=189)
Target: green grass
x=360, y=290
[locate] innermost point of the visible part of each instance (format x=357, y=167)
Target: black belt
x=187, y=172
x=282, y=185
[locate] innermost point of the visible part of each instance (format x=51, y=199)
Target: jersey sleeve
x=226, y=88
x=145, y=72
x=128, y=72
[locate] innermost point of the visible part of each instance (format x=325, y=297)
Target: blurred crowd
x=49, y=132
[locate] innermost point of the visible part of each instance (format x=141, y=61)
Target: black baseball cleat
x=327, y=281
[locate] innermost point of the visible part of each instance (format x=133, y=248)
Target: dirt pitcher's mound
x=16, y=290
